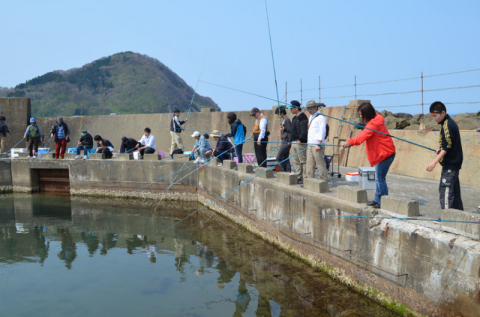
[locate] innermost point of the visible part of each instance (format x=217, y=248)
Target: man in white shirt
x=260, y=136
x=317, y=130
x=147, y=143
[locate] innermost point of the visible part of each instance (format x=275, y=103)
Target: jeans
x=381, y=170
x=85, y=149
x=201, y=152
x=282, y=155
x=238, y=150
x=221, y=158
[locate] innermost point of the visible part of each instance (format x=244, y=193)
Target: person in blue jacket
x=238, y=133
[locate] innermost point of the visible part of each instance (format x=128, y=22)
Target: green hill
x=122, y=83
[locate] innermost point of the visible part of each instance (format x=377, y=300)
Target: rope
x=375, y=217
x=11, y=149
x=243, y=183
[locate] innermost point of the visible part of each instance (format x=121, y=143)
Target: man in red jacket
x=380, y=148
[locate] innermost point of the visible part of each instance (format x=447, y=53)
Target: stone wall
x=17, y=111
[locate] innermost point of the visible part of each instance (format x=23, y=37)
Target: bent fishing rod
x=325, y=115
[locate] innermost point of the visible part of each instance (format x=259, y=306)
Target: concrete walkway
x=425, y=191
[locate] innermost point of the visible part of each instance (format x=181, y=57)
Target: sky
x=227, y=43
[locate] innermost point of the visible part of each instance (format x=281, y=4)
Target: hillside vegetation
x=123, y=83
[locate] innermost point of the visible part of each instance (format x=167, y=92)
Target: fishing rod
x=273, y=62
x=375, y=217
x=195, y=91
x=341, y=120
x=243, y=183
x=11, y=149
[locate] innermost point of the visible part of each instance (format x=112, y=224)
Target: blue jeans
x=381, y=170
x=201, y=152
x=238, y=151
x=85, y=149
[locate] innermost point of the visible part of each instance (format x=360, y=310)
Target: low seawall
x=430, y=271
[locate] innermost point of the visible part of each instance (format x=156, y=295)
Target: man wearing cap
x=286, y=137
x=61, y=131
x=175, y=130
x=85, y=143
x=3, y=132
x=223, y=148
x=200, y=147
x=34, y=135
x=260, y=136
x=317, y=130
x=299, y=134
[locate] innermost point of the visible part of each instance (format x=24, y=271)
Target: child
x=450, y=156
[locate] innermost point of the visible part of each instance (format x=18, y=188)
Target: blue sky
x=337, y=40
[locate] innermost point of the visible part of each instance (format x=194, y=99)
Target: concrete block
x=315, y=185
x=152, y=157
x=267, y=174
x=245, y=168
x=400, y=205
x=287, y=179
x=229, y=164
x=354, y=194
x=207, y=110
x=97, y=156
x=123, y=156
x=22, y=155
x=70, y=156
x=471, y=230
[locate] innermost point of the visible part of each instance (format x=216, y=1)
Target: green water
x=85, y=257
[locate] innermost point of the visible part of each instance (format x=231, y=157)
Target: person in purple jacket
x=223, y=149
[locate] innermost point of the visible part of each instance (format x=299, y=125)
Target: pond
x=62, y=256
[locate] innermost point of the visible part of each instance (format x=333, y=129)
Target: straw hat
x=215, y=134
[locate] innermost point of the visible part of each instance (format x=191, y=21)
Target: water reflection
x=193, y=270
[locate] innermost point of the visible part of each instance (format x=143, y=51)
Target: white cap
x=196, y=133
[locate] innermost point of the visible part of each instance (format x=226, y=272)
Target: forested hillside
x=122, y=83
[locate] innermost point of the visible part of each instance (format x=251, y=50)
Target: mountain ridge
x=122, y=83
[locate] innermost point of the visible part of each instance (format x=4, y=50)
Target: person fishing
x=175, y=130
x=450, y=157
x=317, y=132
x=61, y=131
x=380, y=148
x=299, y=134
x=286, y=138
x=34, y=135
x=3, y=132
x=260, y=136
x=238, y=133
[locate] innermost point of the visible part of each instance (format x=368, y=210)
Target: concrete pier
x=413, y=262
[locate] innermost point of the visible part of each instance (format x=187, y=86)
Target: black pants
x=148, y=150
x=282, y=155
x=33, y=145
x=260, y=150
x=107, y=153
x=450, y=195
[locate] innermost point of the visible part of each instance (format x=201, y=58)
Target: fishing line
x=11, y=149
x=195, y=91
x=243, y=183
x=37, y=153
x=355, y=124
x=273, y=62
x=375, y=217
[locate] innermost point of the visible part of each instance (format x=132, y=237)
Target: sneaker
x=29, y=157
x=197, y=160
x=371, y=203
x=438, y=221
x=85, y=157
x=220, y=164
x=377, y=206
x=62, y=158
x=78, y=157
x=202, y=161
x=171, y=156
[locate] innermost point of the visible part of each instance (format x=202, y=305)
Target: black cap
x=124, y=139
x=294, y=104
x=176, y=110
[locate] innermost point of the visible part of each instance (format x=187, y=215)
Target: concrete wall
x=17, y=111
x=429, y=270
x=411, y=160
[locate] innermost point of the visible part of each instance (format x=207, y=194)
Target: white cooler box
x=352, y=177
x=16, y=151
x=367, y=178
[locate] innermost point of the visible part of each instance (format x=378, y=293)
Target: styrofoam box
x=352, y=177
x=16, y=151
